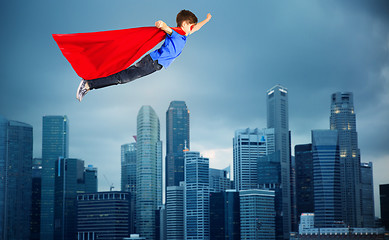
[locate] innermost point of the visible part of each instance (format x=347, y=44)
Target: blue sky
x=314, y=48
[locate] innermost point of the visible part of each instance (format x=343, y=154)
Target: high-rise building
x=257, y=214
x=224, y=216
x=248, y=145
x=343, y=119
x=69, y=180
x=196, y=196
x=326, y=178
x=103, y=215
x=278, y=118
x=384, y=201
x=90, y=179
x=175, y=212
x=148, y=165
x=35, y=221
x=55, y=145
x=367, y=195
x=128, y=177
x=304, y=179
x=177, y=137
x=219, y=180
x=16, y=143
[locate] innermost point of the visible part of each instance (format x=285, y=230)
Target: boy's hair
x=185, y=15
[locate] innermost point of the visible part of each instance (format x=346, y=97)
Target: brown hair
x=185, y=15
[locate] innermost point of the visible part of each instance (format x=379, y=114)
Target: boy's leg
x=142, y=68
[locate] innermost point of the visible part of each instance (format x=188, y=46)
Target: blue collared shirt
x=171, y=48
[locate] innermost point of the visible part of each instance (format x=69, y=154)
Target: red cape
x=100, y=54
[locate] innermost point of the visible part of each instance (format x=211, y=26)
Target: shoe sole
x=78, y=90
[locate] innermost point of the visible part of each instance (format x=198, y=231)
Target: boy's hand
x=209, y=16
x=161, y=25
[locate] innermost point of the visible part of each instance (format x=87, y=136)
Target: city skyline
x=313, y=48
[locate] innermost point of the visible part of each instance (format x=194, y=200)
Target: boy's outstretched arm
x=201, y=24
x=161, y=25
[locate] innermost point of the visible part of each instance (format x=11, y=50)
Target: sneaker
x=81, y=91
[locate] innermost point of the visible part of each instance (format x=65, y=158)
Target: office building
x=177, y=138
x=304, y=179
x=257, y=214
x=278, y=118
x=219, y=180
x=103, y=215
x=148, y=163
x=342, y=119
x=175, y=212
x=16, y=141
x=367, y=195
x=248, y=145
x=384, y=201
x=326, y=178
x=224, y=216
x=55, y=145
x=35, y=221
x=196, y=196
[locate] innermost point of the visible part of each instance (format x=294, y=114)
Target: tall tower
x=196, y=196
x=278, y=118
x=55, y=145
x=128, y=167
x=177, y=135
x=15, y=179
x=147, y=166
x=367, y=195
x=248, y=145
x=326, y=178
x=343, y=119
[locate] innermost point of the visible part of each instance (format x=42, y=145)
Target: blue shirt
x=171, y=48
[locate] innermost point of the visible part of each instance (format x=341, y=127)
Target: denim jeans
x=140, y=69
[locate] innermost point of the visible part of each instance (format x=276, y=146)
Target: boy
x=174, y=43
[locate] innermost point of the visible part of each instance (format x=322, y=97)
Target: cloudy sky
x=312, y=47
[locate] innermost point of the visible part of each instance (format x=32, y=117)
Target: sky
x=312, y=47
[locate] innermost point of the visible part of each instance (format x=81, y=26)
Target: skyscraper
x=55, y=145
x=367, y=195
x=90, y=179
x=384, y=202
x=35, y=221
x=128, y=164
x=343, y=119
x=257, y=214
x=219, y=180
x=304, y=179
x=224, y=216
x=175, y=212
x=177, y=135
x=326, y=178
x=16, y=143
x=196, y=196
x=148, y=164
x=248, y=145
x=278, y=118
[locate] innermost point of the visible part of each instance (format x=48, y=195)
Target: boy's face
x=187, y=27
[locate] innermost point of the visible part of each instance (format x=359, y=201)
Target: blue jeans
x=140, y=69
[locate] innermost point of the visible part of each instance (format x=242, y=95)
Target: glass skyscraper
x=177, y=136
x=367, y=195
x=175, y=212
x=278, y=118
x=55, y=145
x=257, y=214
x=343, y=120
x=16, y=141
x=148, y=170
x=128, y=164
x=304, y=179
x=219, y=180
x=196, y=197
x=326, y=178
x=248, y=146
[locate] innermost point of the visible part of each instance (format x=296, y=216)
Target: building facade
x=148, y=165
x=219, y=180
x=367, y=195
x=278, y=118
x=326, y=178
x=175, y=212
x=16, y=142
x=103, y=215
x=248, y=145
x=35, y=221
x=177, y=138
x=196, y=196
x=257, y=214
x=343, y=120
x=384, y=201
x=55, y=145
